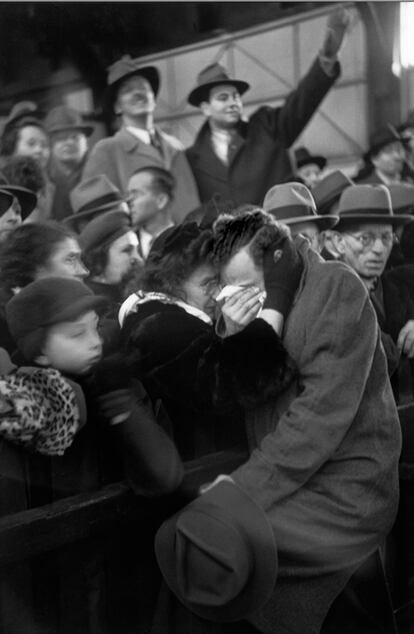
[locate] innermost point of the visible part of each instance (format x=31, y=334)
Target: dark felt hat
x=22, y=110
x=43, y=303
x=208, y=78
x=380, y=139
x=126, y=67
x=105, y=229
x=218, y=555
x=367, y=204
x=304, y=157
x=292, y=203
x=63, y=118
x=26, y=197
x=402, y=198
x=329, y=189
x=93, y=196
x=6, y=201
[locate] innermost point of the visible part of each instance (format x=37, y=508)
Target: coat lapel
x=131, y=144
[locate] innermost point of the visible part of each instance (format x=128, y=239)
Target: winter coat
x=119, y=156
x=260, y=158
x=325, y=466
x=202, y=379
x=64, y=183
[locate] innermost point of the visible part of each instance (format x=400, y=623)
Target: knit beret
x=44, y=303
x=105, y=229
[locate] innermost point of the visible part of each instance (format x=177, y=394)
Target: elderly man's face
x=390, y=159
x=367, y=248
x=135, y=97
x=69, y=146
x=224, y=108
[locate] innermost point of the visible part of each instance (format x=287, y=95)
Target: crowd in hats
x=159, y=304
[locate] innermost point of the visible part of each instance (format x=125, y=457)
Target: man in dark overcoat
x=239, y=159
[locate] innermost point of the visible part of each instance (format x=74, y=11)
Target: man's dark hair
x=25, y=172
x=10, y=136
x=171, y=264
x=27, y=249
x=254, y=229
x=163, y=181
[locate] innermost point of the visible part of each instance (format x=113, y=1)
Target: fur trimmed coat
x=204, y=381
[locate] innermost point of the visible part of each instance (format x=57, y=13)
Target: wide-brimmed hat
x=292, y=203
x=329, y=189
x=402, y=198
x=381, y=138
x=218, y=555
x=304, y=157
x=361, y=204
x=64, y=118
x=208, y=78
x=6, y=201
x=93, y=195
x=104, y=230
x=26, y=197
x=126, y=67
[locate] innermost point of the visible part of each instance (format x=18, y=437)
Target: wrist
x=274, y=318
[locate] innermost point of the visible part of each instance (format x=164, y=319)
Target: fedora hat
x=329, y=189
x=304, y=157
x=208, y=78
x=26, y=197
x=126, y=67
x=218, y=555
x=381, y=138
x=368, y=204
x=292, y=203
x=6, y=201
x=64, y=118
x=402, y=198
x=92, y=196
x=104, y=230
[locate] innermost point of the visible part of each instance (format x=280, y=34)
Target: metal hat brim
x=150, y=73
x=351, y=218
x=201, y=93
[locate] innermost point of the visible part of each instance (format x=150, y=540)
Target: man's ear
x=42, y=359
x=117, y=108
x=162, y=200
x=205, y=108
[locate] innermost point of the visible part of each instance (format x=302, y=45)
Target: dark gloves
x=116, y=407
x=282, y=269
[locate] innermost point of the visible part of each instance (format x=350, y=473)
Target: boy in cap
x=131, y=94
x=55, y=325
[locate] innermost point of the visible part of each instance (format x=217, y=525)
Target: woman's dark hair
x=174, y=256
x=96, y=259
x=28, y=248
x=25, y=172
x=10, y=136
x=255, y=229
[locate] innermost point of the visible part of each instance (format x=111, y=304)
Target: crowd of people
x=159, y=304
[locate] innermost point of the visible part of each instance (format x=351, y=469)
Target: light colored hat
x=64, y=118
x=126, y=67
x=368, y=204
x=402, y=198
x=292, y=203
x=208, y=78
x=218, y=555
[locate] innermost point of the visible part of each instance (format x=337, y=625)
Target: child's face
x=73, y=347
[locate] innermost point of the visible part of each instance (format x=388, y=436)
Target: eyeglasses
x=367, y=240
